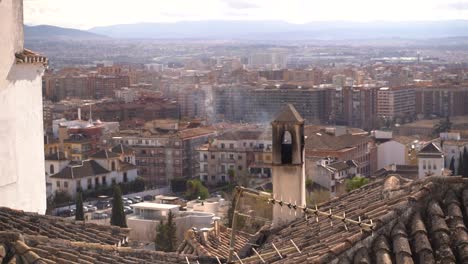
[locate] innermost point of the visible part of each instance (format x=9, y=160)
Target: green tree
x=160, y=242
x=118, y=216
x=444, y=125
x=460, y=165
x=61, y=198
x=452, y=165
x=356, y=183
x=171, y=233
x=79, y=215
x=309, y=184
x=196, y=190
x=465, y=163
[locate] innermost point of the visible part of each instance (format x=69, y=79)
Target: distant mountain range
x=278, y=30
x=258, y=30
x=46, y=32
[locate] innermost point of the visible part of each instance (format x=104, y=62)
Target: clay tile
x=399, y=230
x=381, y=243
x=362, y=256
x=460, y=237
x=434, y=209
x=438, y=224
x=454, y=210
x=391, y=183
x=401, y=245
x=421, y=242
x=417, y=225
x=465, y=197
x=21, y=248
x=451, y=197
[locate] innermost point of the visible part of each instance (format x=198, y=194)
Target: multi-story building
x=163, y=154
x=395, y=103
x=342, y=146
x=192, y=103
x=441, y=101
x=360, y=106
x=331, y=174
x=264, y=104
x=22, y=181
x=105, y=85
x=104, y=168
x=61, y=86
x=237, y=153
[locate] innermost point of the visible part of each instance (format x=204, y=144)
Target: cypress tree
x=160, y=240
x=171, y=233
x=79, y=215
x=460, y=165
x=452, y=165
x=118, y=216
x=465, y=163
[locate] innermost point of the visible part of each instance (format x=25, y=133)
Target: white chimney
x=216, y=225
x=79, y=113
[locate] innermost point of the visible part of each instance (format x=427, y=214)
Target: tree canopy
x=166, y=239
x=356, y=183
x=118, y=215
x=196, y=190
x=79, y=214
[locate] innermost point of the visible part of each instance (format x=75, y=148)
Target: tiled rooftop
x=60, y=228
x=415, y=222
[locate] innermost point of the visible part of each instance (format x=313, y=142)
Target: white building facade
x=22, y=181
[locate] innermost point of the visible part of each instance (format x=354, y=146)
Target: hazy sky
x=85, y=14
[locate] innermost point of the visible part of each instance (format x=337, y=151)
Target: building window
x=213, y=177
x=231, y=146
x=58, y=184
x=205, y=177
x=223, y=178
x=223, y=168
x=239, y=157
x=90, y=184
x=52, y=169
x=65, y=184
x=212, y=156
x=113, y=166
x=434, y=166
x=239, y=168
x=114, y=181
x=231, y=156
x=125, y=178
x=96, y=182
x=104, y=180
x=78, y=185
x=222, y=145
x=424, y=164
x=205, y=156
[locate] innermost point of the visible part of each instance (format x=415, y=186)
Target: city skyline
x=70, y=14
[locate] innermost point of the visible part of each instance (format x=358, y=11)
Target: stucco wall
x=289, y=186
x=22, y=179
x=11, y=40
x=391, y=152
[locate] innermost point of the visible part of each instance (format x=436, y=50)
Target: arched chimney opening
x=286, y=148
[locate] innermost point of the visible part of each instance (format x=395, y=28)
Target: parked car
x=138, y=199
x=66, y=213
x=89, y=208
x=103, y=204
x=148, y=198
x=99, y=215
x=128, y=210
x=127, y=203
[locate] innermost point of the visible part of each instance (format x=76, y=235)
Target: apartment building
x=238, y=153
x=166, y=153
x=441, y=101
x=396, y=103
